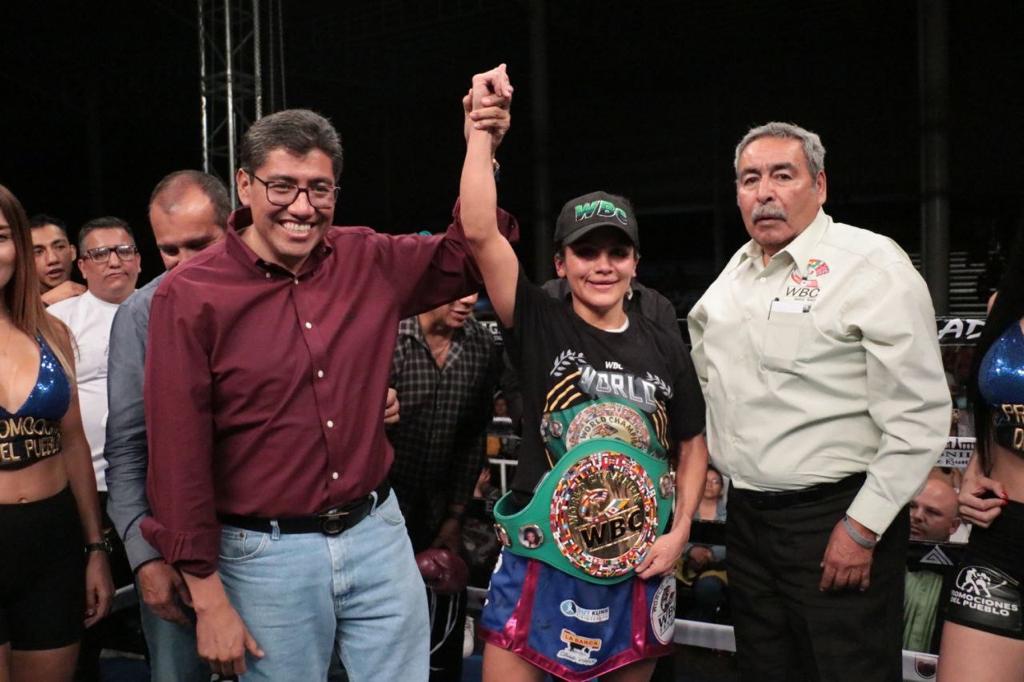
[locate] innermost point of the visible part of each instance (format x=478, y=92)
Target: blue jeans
x=302, y=594
x=172, y=649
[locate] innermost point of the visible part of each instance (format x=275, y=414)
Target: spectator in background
x=702, y=566
x=444, y=369
x=54, y=254
x=933, y=516
x=500, y=406
x=188, y=212
x=109, y=262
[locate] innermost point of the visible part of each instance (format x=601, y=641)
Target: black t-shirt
x=581, y=382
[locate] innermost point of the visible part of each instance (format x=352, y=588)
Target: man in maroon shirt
x=266, y=377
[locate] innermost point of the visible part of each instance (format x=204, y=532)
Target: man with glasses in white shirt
x=109, y=262
x=827, y=407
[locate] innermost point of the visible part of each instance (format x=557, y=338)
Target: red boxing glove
x=443, y=571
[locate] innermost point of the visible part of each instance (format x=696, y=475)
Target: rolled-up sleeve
x=125, y=447
x=179, y=420
x=908, y=398
x=432, y=271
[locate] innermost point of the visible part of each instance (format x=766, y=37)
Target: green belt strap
x=542, y=513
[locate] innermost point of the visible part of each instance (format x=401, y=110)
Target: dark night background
x=646, y=99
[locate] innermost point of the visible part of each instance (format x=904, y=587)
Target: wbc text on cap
x=584, y=214
x=602, y=209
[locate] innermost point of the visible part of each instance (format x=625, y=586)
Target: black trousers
x=447, y=632
x=787, y=630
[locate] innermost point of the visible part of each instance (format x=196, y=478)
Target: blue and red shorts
x=575, y=629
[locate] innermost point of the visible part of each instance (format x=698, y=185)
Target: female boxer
x=584, y=585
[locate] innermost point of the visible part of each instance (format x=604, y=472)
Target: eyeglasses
x=282, y=193
x=101, y=254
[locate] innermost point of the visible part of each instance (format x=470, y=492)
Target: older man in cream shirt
x=827, y=406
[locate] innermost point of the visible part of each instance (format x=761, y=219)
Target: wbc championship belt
x=595, y=515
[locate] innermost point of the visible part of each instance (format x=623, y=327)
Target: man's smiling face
x=286, y=235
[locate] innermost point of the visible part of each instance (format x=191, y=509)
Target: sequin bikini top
x=32, y=433
x=1001, y=384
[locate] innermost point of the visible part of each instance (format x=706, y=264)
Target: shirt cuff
x=139, y=551
x=872, y=510
x=194, y=551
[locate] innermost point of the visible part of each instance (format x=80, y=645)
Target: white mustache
x=770, y=211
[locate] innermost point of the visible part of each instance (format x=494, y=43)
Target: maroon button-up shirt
x=265, y=391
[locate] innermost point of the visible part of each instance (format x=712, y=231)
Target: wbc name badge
x=604, y=514
x=608, y=420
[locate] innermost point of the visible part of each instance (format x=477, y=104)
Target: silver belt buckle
x=332, y=521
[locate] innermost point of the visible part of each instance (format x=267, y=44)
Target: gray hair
x=299, y=131
x=814, y=151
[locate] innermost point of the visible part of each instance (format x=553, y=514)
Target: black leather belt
x=329, y=522
x=760, y=499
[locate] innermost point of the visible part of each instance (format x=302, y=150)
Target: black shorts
x=986, y=594
x=42, y=573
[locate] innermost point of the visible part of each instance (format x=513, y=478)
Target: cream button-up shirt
x=822, y=364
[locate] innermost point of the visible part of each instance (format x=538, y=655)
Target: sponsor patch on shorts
x=571, y=609
x=578, y=649
x=663, y=610
x=986, y=596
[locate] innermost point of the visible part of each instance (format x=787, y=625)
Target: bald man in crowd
x=188, y=212
x=933, y=516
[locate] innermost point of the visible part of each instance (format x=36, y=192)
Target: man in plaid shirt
x=445, y=367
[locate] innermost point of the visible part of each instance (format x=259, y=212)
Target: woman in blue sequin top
x=54, y=576
x=983, y=638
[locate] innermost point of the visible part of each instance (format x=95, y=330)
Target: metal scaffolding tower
x=239, y=40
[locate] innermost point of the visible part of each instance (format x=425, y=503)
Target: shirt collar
x=799, y=250
x=240, y=220
x=802, y=248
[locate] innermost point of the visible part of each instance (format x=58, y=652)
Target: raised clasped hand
x=486, y=104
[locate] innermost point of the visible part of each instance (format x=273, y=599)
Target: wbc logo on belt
x=604, y=514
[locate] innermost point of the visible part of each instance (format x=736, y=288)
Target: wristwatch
x=101, y=546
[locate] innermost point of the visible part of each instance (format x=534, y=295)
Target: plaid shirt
x=439, y=439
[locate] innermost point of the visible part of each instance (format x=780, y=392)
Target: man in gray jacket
x=188, y=211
